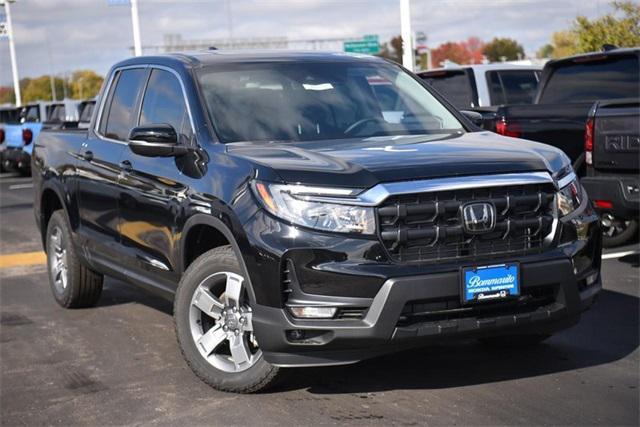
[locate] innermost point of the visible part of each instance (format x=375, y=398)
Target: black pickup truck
x=612, y=156
x=567, y=90
x=309, y=209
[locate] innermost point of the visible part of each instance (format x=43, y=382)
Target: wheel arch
x=192, y=225
x=51, y=200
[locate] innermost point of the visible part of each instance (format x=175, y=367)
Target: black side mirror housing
x=473, y=116
x=156, y=140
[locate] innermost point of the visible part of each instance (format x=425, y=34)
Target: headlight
x=569, y=198
x=296, y=204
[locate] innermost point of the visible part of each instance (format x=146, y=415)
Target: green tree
x=564, y=43
x=620, y=28
x=85, y=84
x=39, y=89
x=503, y=49
x=545, y=51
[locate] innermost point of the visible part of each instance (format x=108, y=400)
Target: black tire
x=83, y=285
x=528, y=340
x=257, y=377
x=629, y=232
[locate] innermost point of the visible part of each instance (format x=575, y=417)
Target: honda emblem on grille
x=478, y=217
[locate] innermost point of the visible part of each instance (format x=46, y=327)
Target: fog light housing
x=313, y=312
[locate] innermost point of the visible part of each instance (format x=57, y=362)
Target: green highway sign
x=368, y=45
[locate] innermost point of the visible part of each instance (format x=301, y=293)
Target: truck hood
x=363, y=163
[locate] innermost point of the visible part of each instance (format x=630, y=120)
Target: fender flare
x=202, y=219
x=63, y=202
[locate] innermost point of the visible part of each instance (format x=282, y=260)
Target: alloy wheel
x=220, y=323
x=58, y=260
x=613, y=226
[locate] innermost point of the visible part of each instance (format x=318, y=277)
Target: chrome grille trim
x=380, y=192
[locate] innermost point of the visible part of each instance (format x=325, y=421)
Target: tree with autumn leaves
x=464, y=52
x=82, y=84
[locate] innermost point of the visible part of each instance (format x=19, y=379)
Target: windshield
x=304, y=101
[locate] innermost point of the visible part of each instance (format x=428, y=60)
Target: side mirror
x=157, y=140
x=473, y=116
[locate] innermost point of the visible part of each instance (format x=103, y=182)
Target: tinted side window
x=164, y=103
x=610, y=78
x=495, y=88
x=87, y=112
x=57, y=114
x=32, y=114
x=121, y=115
x=512, y=86
x=455, y=86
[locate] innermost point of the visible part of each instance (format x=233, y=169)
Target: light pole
x=406, y=33
x=12, y=51
x=135, y=20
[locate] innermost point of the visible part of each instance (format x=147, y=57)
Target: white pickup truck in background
x=485, y=85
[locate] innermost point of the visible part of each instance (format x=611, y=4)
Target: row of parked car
x=587, y=105
x=19, y=127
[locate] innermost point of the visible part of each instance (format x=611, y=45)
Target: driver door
x=153, y=190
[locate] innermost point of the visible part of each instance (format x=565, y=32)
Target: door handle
x=87, y=155
x=125, y=166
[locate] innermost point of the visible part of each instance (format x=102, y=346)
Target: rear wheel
x=514, y=340
x=73, y=284
x=617, y=231
x=213, y=319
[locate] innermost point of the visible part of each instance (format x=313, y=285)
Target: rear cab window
x=587, y=79
x=11, y=115
x=457, y=86
x=512, y=86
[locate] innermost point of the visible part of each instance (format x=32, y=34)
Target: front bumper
x=404, y=306
x=622, y=192
x=382, y=330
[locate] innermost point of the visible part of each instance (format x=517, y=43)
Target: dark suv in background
x=308, y=209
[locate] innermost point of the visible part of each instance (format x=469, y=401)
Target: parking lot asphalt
x=119, y=363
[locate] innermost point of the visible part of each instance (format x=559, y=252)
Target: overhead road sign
x=368, y=45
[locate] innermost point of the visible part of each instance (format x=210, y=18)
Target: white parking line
x=615, y=255
x=21, y=186
x=14, y=180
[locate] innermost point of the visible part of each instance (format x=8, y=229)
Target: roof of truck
x=212, y=57
x=596, y=55
x=482, y=68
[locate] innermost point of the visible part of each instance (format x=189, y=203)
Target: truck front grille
x=428, y=227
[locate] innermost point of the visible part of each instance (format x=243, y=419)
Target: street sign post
x=135, y=22
x=407, y=35
x=368, y=45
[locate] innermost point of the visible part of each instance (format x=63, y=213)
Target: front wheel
x=617, y=231
x=213, y=319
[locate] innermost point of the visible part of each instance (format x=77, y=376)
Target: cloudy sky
x=64, y=35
